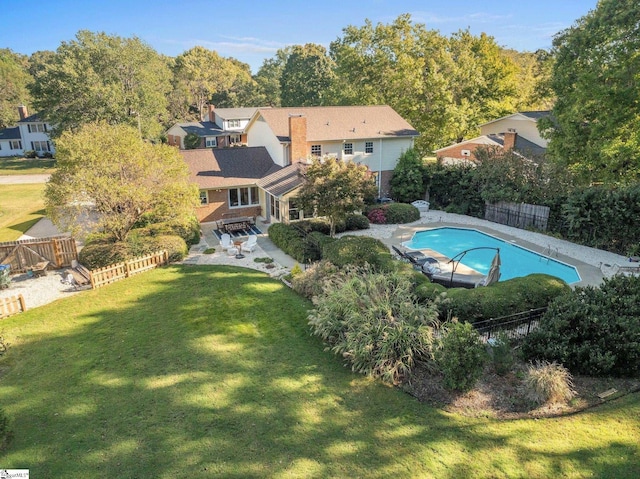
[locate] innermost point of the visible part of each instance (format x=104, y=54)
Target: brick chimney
x=298, y=137
x=211, y=115
x=510, y=137
x=22, y=111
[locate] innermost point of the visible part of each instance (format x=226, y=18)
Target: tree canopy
x=107, y=177
x=307, y=76
x=335, y=188
x=14, y=79
x=101, y=77
x=595, y=128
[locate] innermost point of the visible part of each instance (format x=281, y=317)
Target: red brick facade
x=455, y=151
x=298, y=137
x=218, y=207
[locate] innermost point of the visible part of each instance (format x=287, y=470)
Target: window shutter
x=32, y=147
x=45, y=127
x=48, y=146
x=28, y=128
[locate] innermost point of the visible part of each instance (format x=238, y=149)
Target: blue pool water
x=516, y=260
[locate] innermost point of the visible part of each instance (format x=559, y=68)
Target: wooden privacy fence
x=11, y=306
x=519, y=215
x=59, y=251
x=115, y=272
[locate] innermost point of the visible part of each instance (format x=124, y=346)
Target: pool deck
x=590, y=274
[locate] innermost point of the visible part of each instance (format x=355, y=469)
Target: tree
x=192, y=141
x=335, y=188
x=14, y=79
x=202, y=72
x=407, y=182
x=307, y=76
x=243, y=89
x=595, y=127
x=100, y=77
x=269, y=76
x=108, y=174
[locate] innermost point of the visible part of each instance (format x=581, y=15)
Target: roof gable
x=523, y=115
x=333, y=123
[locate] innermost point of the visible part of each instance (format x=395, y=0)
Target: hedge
x=291, y=240
x=358, y=251
x=502, y=298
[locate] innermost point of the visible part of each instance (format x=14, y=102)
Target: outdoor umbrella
x=494, y=271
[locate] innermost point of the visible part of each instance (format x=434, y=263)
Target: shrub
x=592, y=331
x=358, y=251
x=398, y=213
x=502, y=298
x=188, y=229
x=311, y=282
x=374, y=322
x=460, y=355
x=548, y=383
x=176, y=247
x=501, y=354
x=356, y=222
x=316, y=224
x=30, y=154
x=296, y=270
x=99, y=255
x=377, y=216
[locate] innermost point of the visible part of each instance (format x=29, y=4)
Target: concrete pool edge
x=590, y=275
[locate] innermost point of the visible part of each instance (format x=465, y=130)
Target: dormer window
x=234, y=123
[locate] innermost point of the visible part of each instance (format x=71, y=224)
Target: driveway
x=23, y=179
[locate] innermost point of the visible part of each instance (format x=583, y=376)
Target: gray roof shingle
x=12, y=133
x=227, y=167
x=285, y=180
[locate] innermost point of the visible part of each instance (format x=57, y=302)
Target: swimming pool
x=516, y=260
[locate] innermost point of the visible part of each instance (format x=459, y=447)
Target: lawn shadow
x=211, y=371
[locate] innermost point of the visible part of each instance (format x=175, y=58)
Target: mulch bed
x=501, y=397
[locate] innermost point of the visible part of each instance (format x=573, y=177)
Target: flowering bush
x=377, y=216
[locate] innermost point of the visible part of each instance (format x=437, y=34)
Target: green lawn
x=26, y=166
x=21, y=206
x=211, y=372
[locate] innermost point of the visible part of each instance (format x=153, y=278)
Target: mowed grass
x=26, y=166
x=21, y=206
x=196, y=371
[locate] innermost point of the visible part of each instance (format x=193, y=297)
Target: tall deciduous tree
x=595, y=128
x=202, y=72
x=307, y=76
x=242, y=91
x=407, y=182
x=14, y=79
x=101, y=77
x=269, y=76
x=108, y=174
x=335, y=188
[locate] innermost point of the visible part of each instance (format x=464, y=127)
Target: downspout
x=380, y=172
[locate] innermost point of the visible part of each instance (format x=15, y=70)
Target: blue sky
x=253, y=30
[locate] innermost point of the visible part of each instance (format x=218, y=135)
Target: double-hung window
x=204, y=198
x=15, y=145
x=211, y=142
x=348, y=148
x=40, y=145
x=234, y=123
x=368, y=147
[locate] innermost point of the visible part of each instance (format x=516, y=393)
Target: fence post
x=23, y=307
x=126, y=269
x=529, y=322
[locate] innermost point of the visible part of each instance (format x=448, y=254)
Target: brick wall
x=219, y=206
x=298, y=136
x=455, y=151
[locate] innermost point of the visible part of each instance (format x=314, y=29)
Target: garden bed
x=500, y=396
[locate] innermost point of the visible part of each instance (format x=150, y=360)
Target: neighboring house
x=11, y=142
x=32, y=133
x=374, y=136
x=518, y=131
x=35, y=133
x=262, y=179
x=223, y=127
x=227, y=179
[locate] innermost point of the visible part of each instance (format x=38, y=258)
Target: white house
x=34, y=132
x=10, y=142
x=374, y=136
x=524, y=123
x=222, y=127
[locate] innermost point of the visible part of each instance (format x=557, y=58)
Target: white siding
x=5, y=149
x=261, y=135
x=526, y=128
x=29, y=137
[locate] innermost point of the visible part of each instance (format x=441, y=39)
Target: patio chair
x=250, y=244
x=225, y=241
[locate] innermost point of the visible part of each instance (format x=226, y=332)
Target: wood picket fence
x=115, y=272
x=59, y=251
x=11, y=306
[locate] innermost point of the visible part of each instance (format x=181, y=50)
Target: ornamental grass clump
x=548, y=383
x=373, y=320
